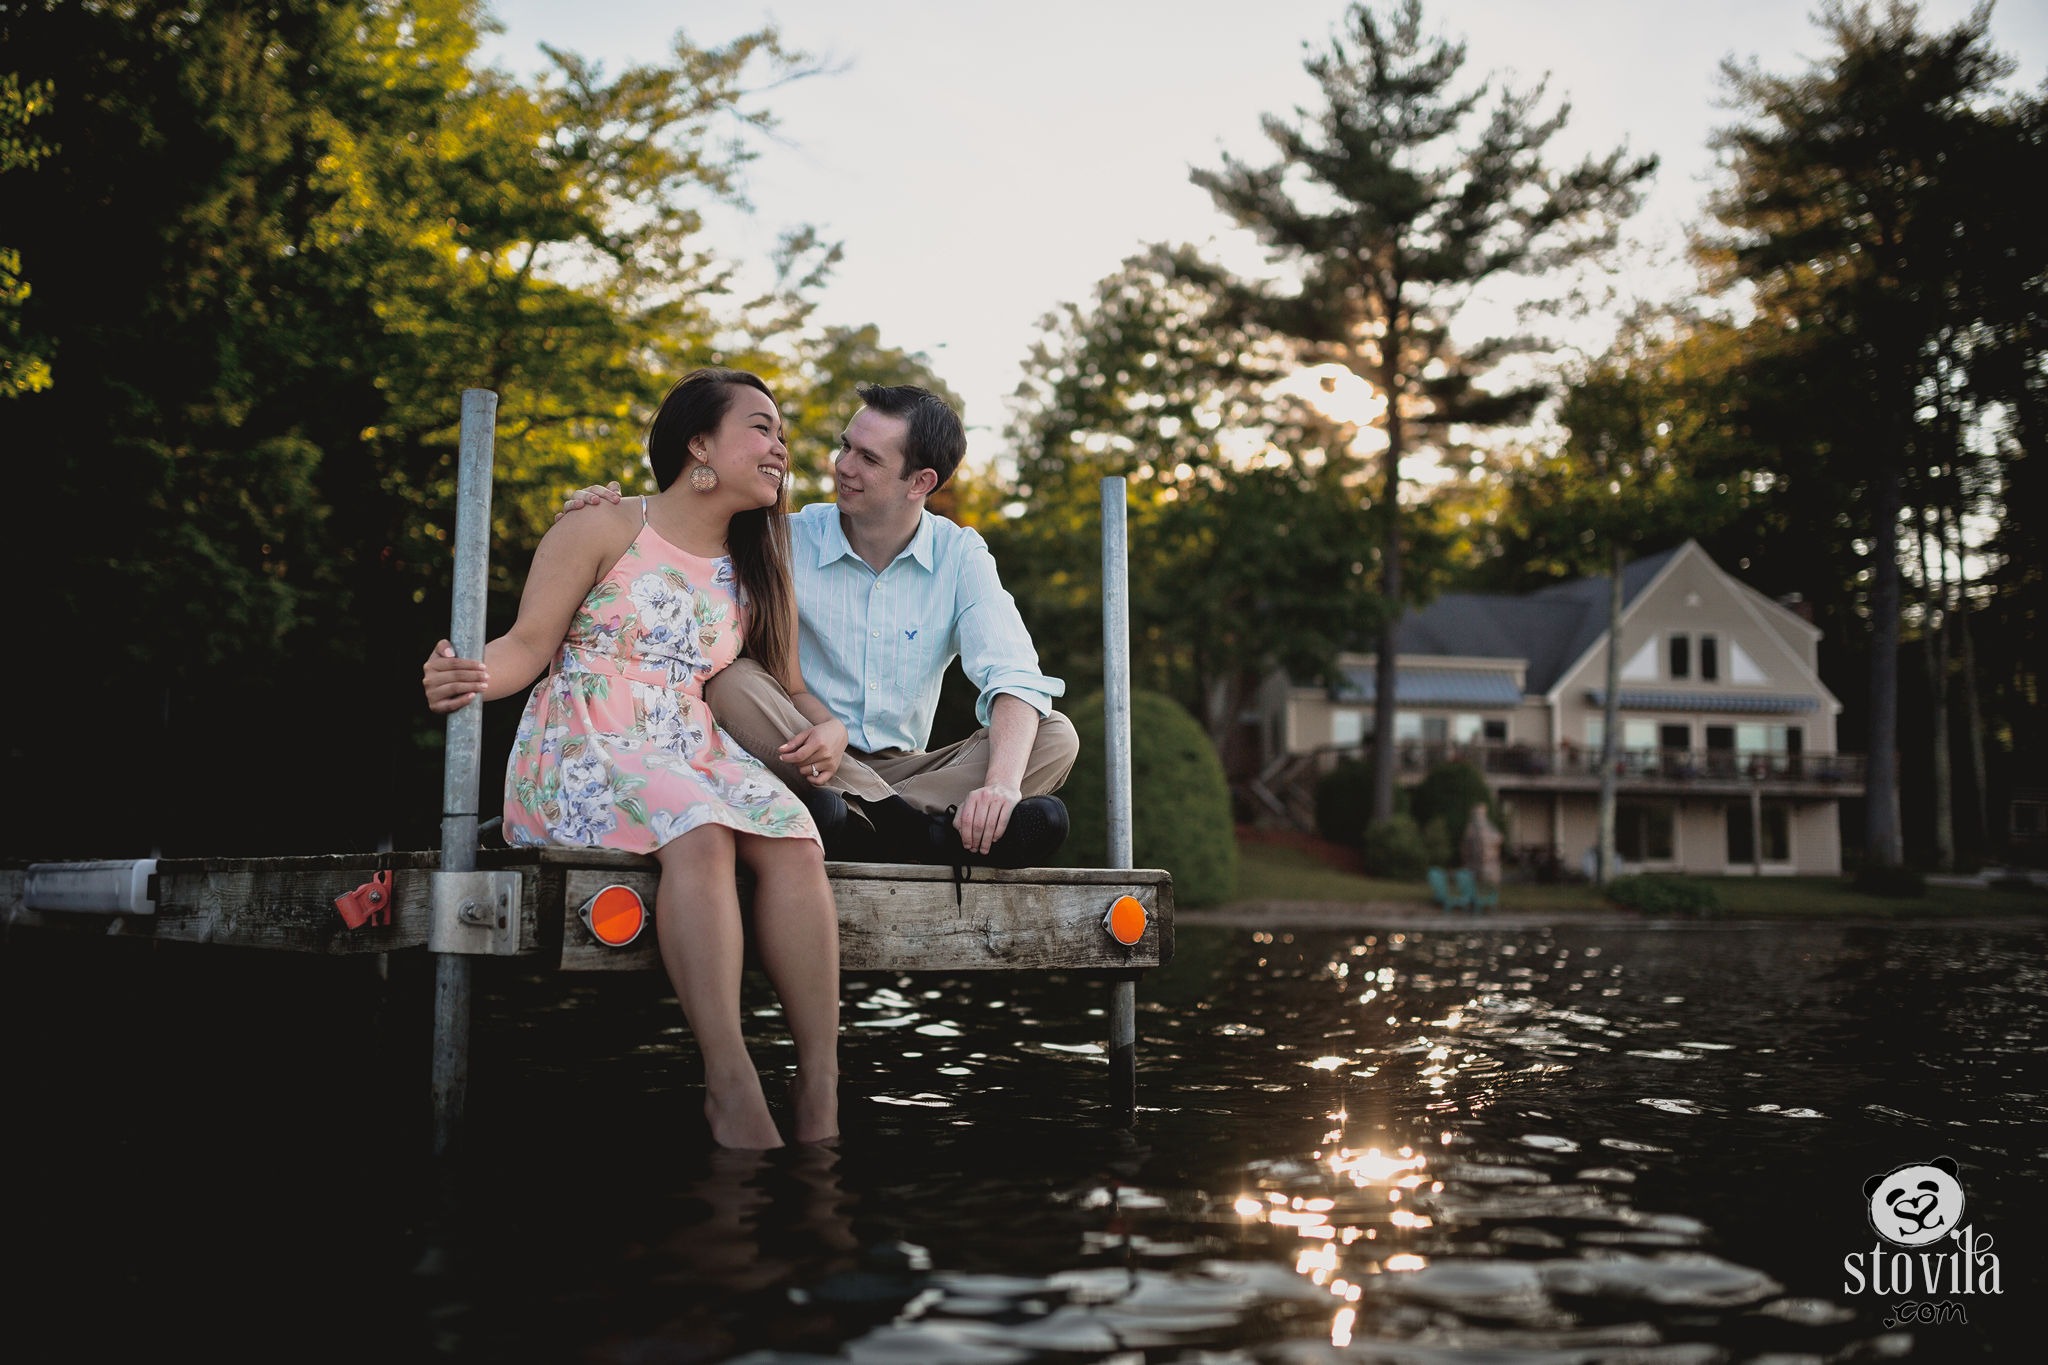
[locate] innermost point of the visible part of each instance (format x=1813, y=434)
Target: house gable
x=1760, y=670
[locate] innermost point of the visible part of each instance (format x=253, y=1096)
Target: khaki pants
x=751, y=706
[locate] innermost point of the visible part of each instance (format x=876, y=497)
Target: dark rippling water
x=1584, y=1144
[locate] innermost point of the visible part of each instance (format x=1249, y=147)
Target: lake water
x=1581, y=1144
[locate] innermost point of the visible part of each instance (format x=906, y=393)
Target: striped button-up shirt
x=875, y=647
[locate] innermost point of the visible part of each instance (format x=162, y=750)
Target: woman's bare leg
x=796, y=933
x=697, y=922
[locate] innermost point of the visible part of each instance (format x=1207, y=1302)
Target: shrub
x=1180, y=803
x=1448, y=793
x=1660, y=893
x=1394, y=848
x=1436, y=843
x=1344, y=802
x=1896, y=883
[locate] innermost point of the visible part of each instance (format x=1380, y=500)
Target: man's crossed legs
x=900, y=801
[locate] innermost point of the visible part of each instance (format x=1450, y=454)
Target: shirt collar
x=833, y=544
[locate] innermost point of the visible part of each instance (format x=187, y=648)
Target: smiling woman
x=631, y=608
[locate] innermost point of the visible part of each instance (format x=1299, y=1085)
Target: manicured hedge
x=1656, y=893
x=1180, y=803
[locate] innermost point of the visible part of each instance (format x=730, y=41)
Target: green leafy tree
x=1625, y=479
x=1245, y=535
x=1847, y=221
x=268, y=247
x=1391, y=201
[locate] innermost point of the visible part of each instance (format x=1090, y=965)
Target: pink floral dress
x=616, y=748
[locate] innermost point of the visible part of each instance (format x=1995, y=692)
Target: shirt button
x=876, y=633
x=873, y=686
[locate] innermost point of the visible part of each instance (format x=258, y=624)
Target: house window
x=1413, y=725
x=1768, y=739
x=1643, y=831
x=1681, y=656
x=1710, y=658
x=1777, y=832
x=1347, y=727
x=1464, y=728
x=1494, y=732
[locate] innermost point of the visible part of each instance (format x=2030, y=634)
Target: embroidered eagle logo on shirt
x=910, y=635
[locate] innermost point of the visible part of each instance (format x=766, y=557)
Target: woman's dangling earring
x=703, y=477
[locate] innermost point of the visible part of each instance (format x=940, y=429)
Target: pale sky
x=984, y=162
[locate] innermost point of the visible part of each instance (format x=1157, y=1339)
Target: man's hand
x=816, y=752
x=985, y=814
x=450, y=682
x=589, y=497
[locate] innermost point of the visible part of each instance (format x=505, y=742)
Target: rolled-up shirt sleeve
x=995, y=649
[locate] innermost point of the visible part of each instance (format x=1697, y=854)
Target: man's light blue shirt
x=874, y=647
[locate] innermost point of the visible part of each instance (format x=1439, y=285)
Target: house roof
x=1550, y=628
x=1433, y=686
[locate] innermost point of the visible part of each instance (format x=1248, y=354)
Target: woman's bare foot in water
x=814, y=1096
x=738, y=1114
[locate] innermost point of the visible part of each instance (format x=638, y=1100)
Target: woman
x=630, y=610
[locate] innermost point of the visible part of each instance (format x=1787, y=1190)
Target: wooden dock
x=892, y=917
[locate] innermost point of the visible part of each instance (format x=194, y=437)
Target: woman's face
x=747, y=449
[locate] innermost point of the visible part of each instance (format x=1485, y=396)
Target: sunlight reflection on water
x=1567, y=1145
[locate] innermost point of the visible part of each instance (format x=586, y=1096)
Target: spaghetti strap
x=643, y=509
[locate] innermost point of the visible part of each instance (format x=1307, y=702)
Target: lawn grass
x=1274, y=872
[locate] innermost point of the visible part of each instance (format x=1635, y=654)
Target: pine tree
x=1390, y=202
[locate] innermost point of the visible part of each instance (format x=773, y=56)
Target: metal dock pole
x=1116, y=726
x=464, y=757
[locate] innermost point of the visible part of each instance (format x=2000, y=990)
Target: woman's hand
x=450, y=682
x=589, y=497
x=816, y=752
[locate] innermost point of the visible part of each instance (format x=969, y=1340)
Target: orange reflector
x=1125, y=920
x=614, y=915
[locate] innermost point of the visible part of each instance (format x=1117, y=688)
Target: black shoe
x=1037, y=828
x=899, y=832
x=842, y=831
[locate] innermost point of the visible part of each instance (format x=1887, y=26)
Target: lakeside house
x=1728, y=758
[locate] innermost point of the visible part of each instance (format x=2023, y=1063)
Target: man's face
x=868, y=471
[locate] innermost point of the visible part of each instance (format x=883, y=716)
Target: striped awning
x=1434, y=687
x=1744, y=703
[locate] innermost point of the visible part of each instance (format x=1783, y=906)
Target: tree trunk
x=1934, y=654
x=1610, y=723
x=1973, y=712
x=1882, y=845
x=1384, y=757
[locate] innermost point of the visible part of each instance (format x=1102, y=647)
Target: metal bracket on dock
x=475, y=913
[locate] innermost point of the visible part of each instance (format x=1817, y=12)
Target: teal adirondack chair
x=1475, y=897
x=1440, y=890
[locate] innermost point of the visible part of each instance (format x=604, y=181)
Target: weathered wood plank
x=909, y=918
x=891, y=916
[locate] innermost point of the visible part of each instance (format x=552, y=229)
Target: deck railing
x=1286, y=786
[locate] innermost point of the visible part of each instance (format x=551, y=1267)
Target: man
x=888, y=595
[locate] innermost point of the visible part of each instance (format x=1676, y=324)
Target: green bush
x=1344, y=802
x=1180, y=803
x=1895, y=883
x=1660, y=893
x=1437, y=844
x=1395, y=848
x=1448, y=792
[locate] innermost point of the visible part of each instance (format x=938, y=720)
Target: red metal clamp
x=369, y=903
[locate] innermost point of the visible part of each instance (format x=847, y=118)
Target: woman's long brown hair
x=758, y=538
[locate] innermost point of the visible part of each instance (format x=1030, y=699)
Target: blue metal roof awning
x=1746, y=703
x=1434, y=687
